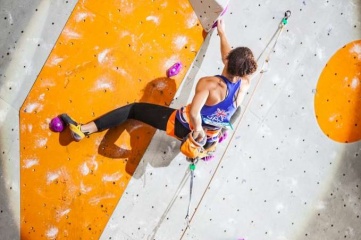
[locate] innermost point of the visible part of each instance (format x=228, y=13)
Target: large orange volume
x=338, y=95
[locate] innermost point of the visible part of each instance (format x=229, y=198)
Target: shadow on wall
x=158, y=91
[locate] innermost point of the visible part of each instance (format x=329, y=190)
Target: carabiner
x=287, y=14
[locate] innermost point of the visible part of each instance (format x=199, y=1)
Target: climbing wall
x=107, y=55
x=290, y=170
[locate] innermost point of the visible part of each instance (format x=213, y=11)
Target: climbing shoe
x=74, y=127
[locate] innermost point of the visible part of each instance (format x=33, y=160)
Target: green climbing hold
x=192, y=167
x=284, y=21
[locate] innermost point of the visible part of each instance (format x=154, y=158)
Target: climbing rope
x=274, y=38
x=192, y=167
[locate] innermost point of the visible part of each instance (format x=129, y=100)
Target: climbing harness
x=274, y=38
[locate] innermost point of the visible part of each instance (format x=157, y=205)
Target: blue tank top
x=218, y=115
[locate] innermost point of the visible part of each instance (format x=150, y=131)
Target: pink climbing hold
x=174, y=70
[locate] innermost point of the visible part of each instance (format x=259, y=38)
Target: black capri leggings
x=154, y=115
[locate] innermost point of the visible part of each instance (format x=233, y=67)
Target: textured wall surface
x=291, y=169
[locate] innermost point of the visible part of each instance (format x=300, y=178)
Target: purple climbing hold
x=56, y=124
x=174, y=70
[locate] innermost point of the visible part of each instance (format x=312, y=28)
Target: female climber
x=198, y=125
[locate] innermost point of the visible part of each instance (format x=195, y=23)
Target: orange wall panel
x=108, y=54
